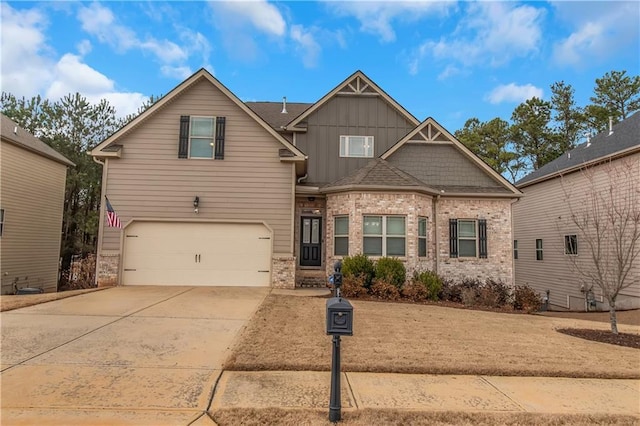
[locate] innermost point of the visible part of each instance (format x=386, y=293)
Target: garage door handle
x=264, y=271
x=264, y=238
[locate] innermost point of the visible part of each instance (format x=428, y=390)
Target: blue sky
x=448, y=60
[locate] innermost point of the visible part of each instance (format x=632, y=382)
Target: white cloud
x=377, y=17
x=100, y=22
x=179, y=73
x=514, y=93
x=39, y=71
x=601, y=29
x=262, y=15
x=492, y=33
x=84, y=47
x=306, y=44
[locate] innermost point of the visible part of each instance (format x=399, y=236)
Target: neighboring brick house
x=286, y=189
x=549, y=244
x=33, y=179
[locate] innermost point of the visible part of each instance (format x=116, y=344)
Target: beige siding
x=348, y=115
x=149, y=181
x=543, y=214
x=32, y=196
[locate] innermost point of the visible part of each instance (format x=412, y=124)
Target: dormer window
x=356, y=146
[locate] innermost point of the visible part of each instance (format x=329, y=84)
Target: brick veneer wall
x=283, y=272
x=498, y=265
x=108, y=269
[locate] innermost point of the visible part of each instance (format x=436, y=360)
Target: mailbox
x=339, y=317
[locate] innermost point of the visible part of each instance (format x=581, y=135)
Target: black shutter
x=220, y=125
x=453, y=237
x=183, y=143
x=482, y=231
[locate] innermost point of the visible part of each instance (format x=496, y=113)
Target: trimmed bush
x=431, y=282
x=391, y=270
x=415, y=292
x=353, y=287
x=494, y=294
x=385, y=290
x=526, y=299
x=359, y=265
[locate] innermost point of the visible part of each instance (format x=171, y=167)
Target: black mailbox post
x=339, y=323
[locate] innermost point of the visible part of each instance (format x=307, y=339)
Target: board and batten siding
x=543, y=213
x=250, y=184
x=362, y=115
x=32, y=197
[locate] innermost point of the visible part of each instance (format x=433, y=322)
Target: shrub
x=353, y=287
x=458, y=292
x=469, y=296
x=384, y=290
x=431, y=281
x=526, y=299
x=391, y=270
x=359, y=265
x=494, y=294
x=450, y=291
x=415, y=291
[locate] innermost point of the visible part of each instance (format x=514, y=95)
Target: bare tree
x=605, y=209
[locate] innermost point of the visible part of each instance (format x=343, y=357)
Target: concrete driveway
x=125, y=355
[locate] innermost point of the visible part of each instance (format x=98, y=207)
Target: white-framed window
x=384, y=235
x=539, y=252
x=571, y=244
x=341, y=235
x=467, y=238
x=1, y=221
x=422, y=237
x=356, y=146
x=515, y=249
x=201, y=137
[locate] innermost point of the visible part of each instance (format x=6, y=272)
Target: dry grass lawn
x=288, y=333
x=249, y=417
x=9, y=302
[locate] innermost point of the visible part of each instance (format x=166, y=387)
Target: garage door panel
x=173, y=253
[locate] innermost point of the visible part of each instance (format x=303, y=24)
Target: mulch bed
x=604, y=336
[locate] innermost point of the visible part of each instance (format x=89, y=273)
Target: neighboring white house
x=549, y=247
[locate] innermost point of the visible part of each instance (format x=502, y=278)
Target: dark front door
x=310, y=241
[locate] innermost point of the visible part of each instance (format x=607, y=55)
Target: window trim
x=539, y=250
x=423, y=237
x=515, y=249
x=384, y=236
x=567, y=239
x=476, y=238
x=213, y=137
x=345, y=153
x=336, y=235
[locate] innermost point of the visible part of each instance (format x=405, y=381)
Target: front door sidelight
x=311, y=241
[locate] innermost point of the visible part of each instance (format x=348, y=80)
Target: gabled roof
x=378, y=174
x=100, y=151
x=430, y=132
x=15, y=134
x=271, y=112
x=356, y=84
x=624, y=140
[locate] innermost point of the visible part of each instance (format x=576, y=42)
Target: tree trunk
x=612, y=316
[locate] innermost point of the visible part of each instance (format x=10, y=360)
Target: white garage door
x=202, y=254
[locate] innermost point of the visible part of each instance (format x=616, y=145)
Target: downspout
x=300, y=179
x=435, y=234
x=101, y=215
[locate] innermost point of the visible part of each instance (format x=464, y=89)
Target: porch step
x=311, y=279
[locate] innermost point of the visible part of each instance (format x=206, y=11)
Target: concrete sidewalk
x=419, y=392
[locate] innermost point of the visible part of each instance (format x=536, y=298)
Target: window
x=341, y=236
x=356, y=146
x=384, y=235
x=539, y=250
x=422, y=237
x=571, y=244
x=468, y=238
x=1, y=221
x=515, y=249
x=201, y=137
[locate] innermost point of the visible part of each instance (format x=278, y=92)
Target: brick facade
x=283, y=271
x=108, y=269
x=498, y=264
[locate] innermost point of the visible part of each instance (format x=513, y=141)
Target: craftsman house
x=211, y=190
x=549, y=245
x=31, y=205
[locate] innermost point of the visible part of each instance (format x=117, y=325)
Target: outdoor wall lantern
x=196, y=203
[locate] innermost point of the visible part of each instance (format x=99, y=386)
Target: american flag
x=112, y=218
